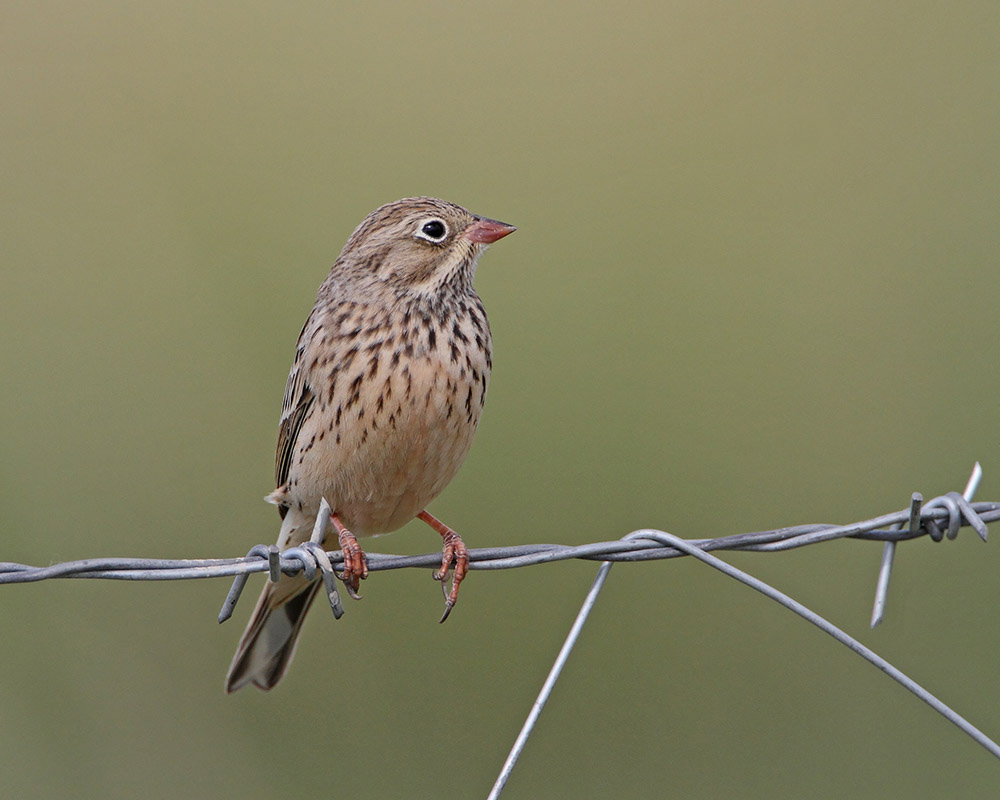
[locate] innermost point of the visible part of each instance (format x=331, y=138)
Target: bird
x=380, y=408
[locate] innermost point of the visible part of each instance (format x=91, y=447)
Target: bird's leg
x=453, y=551
x=355, y=563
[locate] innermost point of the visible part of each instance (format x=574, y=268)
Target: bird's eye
x=433, y=230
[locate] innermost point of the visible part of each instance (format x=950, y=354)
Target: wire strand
x=940, y=518
x=976, y=515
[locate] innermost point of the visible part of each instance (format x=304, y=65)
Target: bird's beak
x=487, y=231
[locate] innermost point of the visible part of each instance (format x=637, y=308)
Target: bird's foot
x=355, y=563
x=454, y=552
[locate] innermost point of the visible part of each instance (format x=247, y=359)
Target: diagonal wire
x=827, y=627
x=550, y=680
x=958, y=506
x=691, y=549
x=951, y=512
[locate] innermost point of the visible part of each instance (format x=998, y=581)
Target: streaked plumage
x=382, y=401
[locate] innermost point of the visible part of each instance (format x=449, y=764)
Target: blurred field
x=754, y=283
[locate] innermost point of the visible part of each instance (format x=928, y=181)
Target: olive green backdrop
x=755, y=283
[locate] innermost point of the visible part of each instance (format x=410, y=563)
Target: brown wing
x=295, y=409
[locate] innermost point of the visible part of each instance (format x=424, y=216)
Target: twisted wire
x=940, y=518
x=951, y=512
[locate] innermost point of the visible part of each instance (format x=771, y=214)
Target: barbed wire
x=958, y=514
x=950, y=512
x=958, y=508
x=940, y=518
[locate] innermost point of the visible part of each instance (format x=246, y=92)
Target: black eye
x=434, y=230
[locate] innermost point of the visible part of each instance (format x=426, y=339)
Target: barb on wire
x=940, y=518
x=263, y=558
x=953, y=501
x=956, y=511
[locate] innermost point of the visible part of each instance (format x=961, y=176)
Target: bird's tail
x=268, y=644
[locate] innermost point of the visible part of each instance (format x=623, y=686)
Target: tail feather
x=268, y=644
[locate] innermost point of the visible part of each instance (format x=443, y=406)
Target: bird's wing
x=295, y=408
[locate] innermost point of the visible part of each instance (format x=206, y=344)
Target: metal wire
x=261, y=557
x=550, y=680
x=959, y=512
x=940, y=518
x=827, y=627
x=889, y=549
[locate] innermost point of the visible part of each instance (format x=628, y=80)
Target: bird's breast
x=395, y=421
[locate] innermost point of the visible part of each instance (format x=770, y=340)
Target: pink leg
x=355, y=563
x=454, y=550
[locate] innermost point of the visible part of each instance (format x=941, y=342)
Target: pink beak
x=487, y=231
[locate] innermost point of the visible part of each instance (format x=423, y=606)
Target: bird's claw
x=454, y=552
x=355, y=562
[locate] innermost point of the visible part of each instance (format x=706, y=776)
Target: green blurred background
x=754, y=283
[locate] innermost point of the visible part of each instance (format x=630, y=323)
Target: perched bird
x=381, y=405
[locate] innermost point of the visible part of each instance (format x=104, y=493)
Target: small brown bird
x=381, y=405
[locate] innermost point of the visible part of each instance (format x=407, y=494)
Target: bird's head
x=420, y=246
